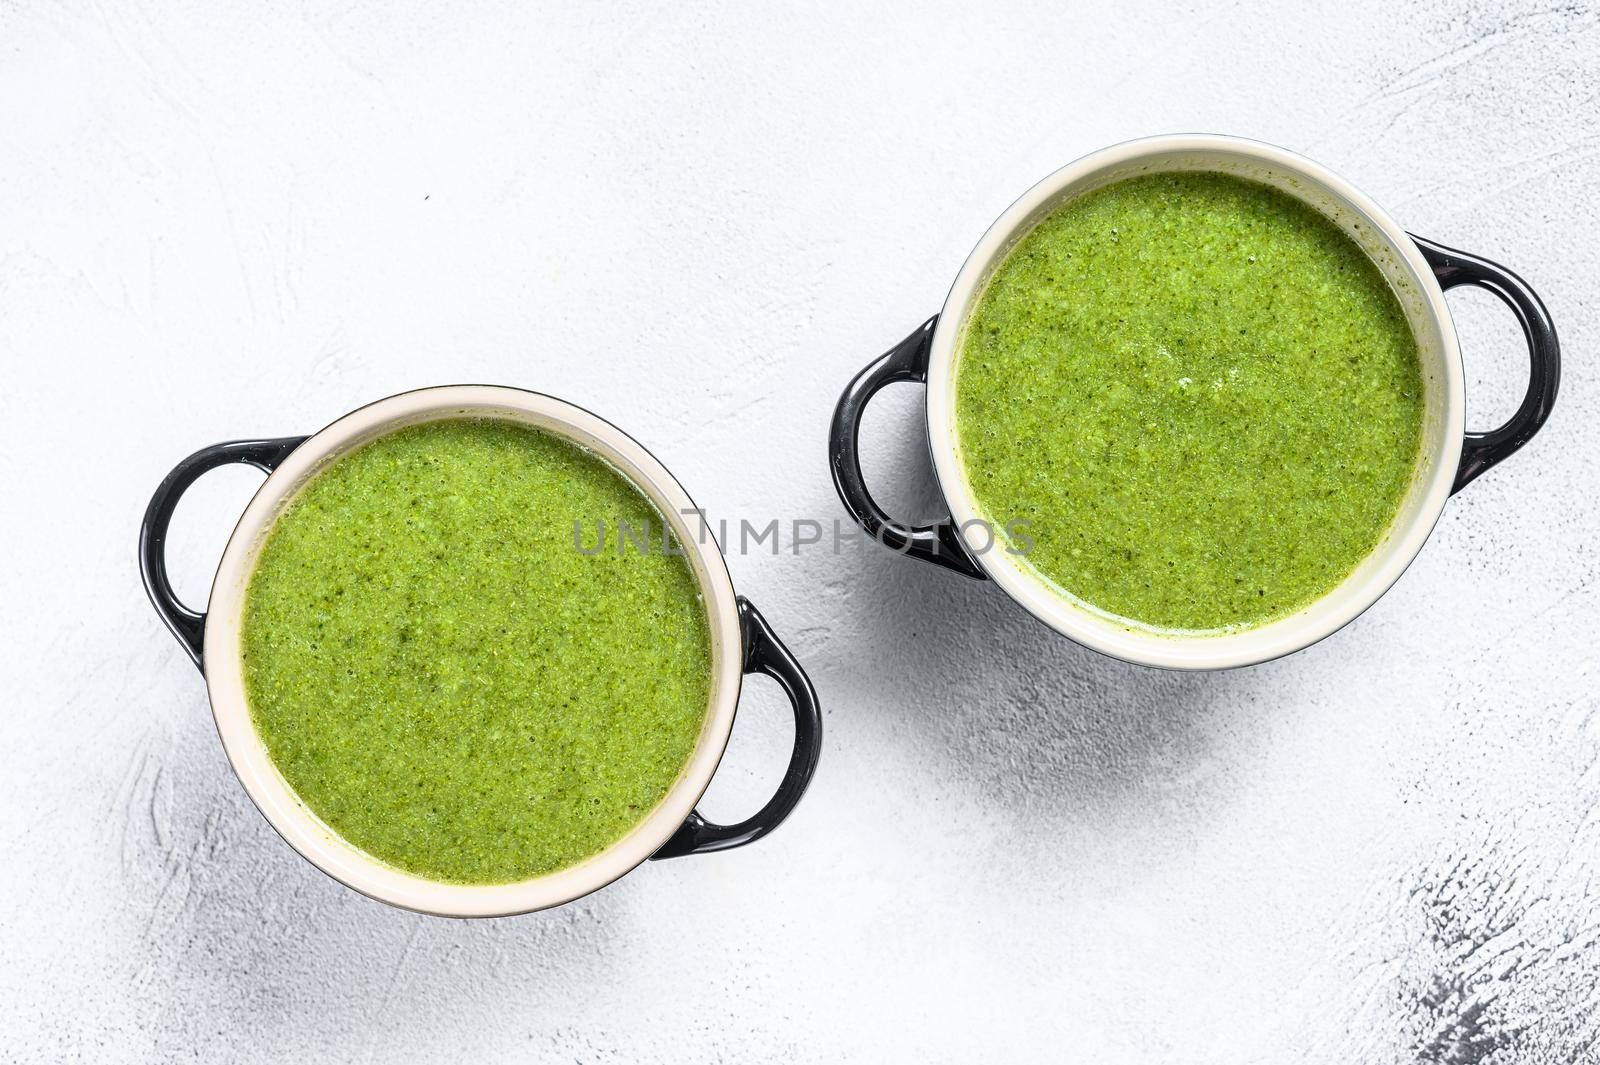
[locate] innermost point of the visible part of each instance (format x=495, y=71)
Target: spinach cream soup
x=1199, y=392
x=446, y=680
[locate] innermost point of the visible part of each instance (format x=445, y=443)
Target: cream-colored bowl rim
x=293, y=820
x=1408, y=273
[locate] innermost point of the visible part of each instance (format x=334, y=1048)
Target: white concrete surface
x=220, y=220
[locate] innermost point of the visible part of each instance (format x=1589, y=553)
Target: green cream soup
x=446, y=680
x=1201, y=396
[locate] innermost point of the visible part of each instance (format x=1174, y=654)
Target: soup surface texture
x=446, y=679
x=1201, y=395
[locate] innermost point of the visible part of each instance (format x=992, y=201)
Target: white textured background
x=222, y=220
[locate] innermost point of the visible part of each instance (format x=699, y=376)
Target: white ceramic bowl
x=741, y=642
x=1418, y=272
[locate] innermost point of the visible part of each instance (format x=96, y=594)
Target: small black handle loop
x=1479, y=451
x=187, y=625
x=763, y=653
x=940, y=544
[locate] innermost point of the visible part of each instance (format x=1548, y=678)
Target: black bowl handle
x=940, y=544
x=763, y=653
x=188, y=625
x=1479, y=451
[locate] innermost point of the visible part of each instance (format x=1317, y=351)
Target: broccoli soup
x=1200, y=394
x=446, y=679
